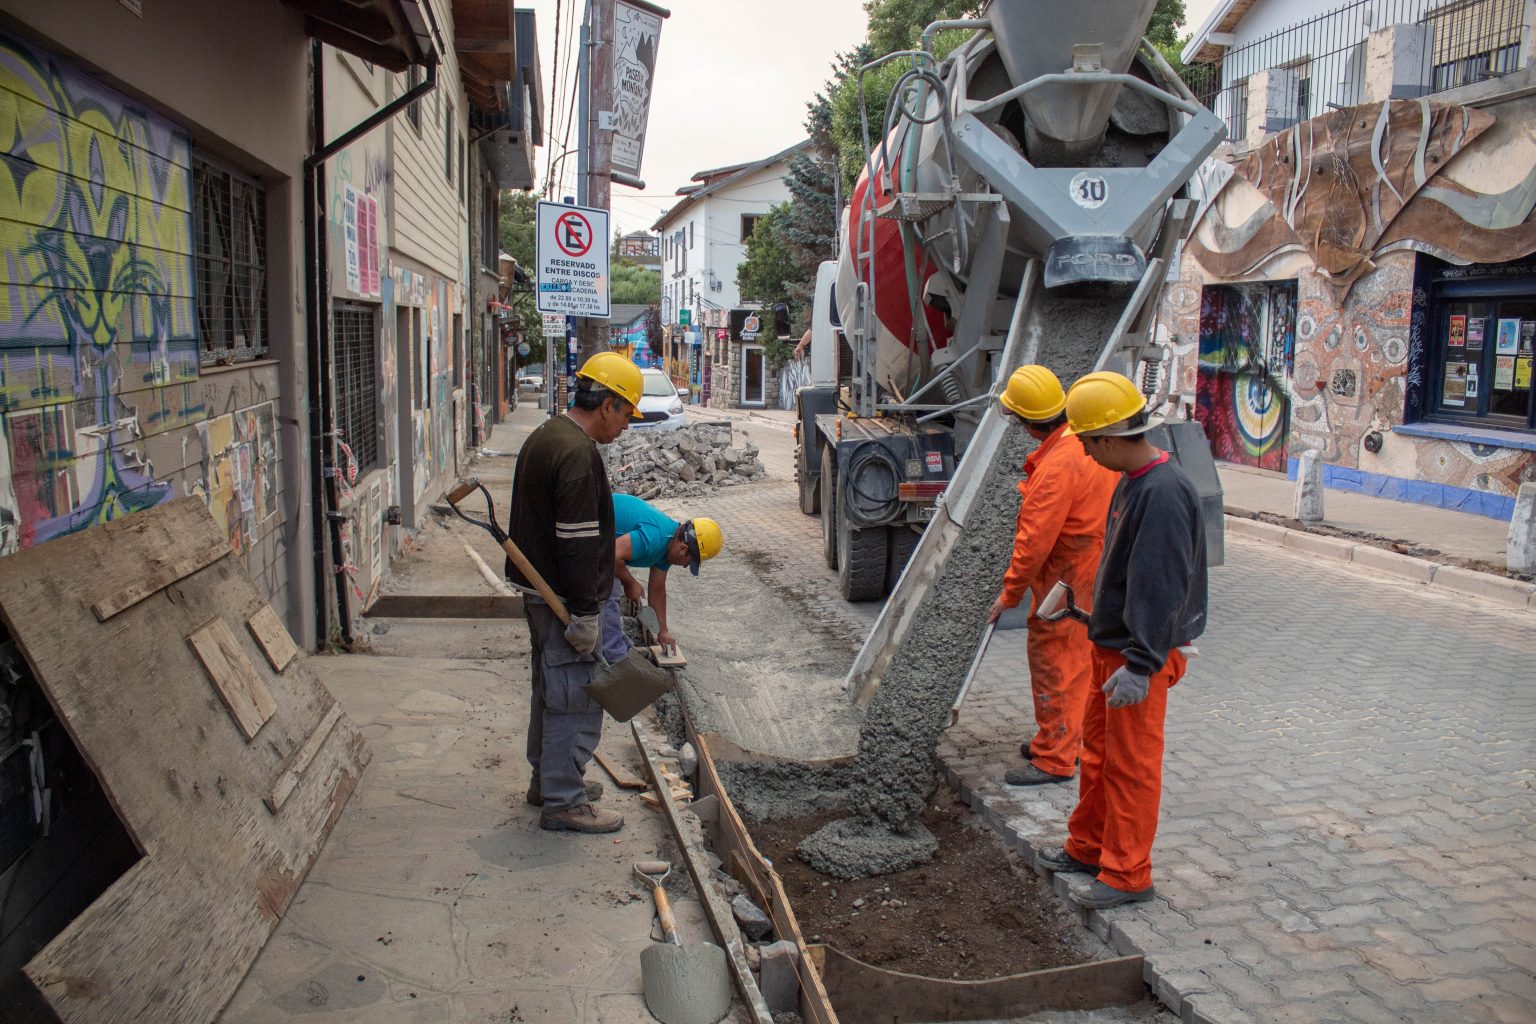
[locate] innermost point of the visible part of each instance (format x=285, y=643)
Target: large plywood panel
x=171, y=940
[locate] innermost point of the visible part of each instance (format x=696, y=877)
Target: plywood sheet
x=233, y=675
x=273, y=636
x=171, y=940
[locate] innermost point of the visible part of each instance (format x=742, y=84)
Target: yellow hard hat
x=704, y=540
x=1106, y=404
x=618, y=375
x=1034, y=393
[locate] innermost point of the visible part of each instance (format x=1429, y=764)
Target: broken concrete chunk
x=778, y=977
x=754, y=923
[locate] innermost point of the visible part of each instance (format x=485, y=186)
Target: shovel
x=683, y=984
x=623, y=690
x=1012, y=618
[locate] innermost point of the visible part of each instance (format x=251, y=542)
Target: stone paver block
x=1420, y=570
x=1515, y=593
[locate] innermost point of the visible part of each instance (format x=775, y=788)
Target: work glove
x=1126, y=687
x=584, y=632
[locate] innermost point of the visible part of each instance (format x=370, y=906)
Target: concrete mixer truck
x=1020, y=203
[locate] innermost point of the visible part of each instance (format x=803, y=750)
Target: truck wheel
x=903, y=542
x=810, y=490
x=861, y=561
x=829, y=505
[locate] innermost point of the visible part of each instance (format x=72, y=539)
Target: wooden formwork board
x=105, y=619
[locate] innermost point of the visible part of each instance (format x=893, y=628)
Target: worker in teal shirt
x=647, y=538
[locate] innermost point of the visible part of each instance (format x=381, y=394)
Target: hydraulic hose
x=880, y=506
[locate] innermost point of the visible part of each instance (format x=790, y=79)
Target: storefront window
x=1485, y=347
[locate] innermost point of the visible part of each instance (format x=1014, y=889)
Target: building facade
x=703, y=241
x=1359, y=280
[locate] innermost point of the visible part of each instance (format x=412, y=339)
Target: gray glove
x=585, y=632
x=1126, y=687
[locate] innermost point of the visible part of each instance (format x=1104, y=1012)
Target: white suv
x=660, y=403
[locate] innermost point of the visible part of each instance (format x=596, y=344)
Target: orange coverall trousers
x=1122, y=784
x=1060, y=665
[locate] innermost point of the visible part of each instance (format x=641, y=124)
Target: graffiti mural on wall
x=97, y=318
x=240, y=460
x=1247, y=342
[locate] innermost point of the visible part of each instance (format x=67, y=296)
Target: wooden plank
x=273, y=638
x=233, y=675
x=721, y=921
x=734, y=846
x=162, y=572
x=676, y=659
x=872, y=995
x=620, y=777
x=191, y=916
x=298, y=764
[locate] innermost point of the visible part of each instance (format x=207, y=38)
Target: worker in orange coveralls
x=1149, y=604
x=1065, y=497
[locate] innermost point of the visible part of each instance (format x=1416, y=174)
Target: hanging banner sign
x=572, y=260
x=636, y=35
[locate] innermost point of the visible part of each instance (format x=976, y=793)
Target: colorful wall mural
x=103, y=408
x=1247, y=342
x=97, y=311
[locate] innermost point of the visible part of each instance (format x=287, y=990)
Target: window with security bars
x=231, y=253
x=354, y=338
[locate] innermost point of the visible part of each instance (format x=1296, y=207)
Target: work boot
x=1099, y=896
x=1058, y=859
x=535, y=798
x=1029, y=775
x=585, y=818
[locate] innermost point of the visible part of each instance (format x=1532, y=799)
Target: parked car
x=531, y=380
x=660, y=405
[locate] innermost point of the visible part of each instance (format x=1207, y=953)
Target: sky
x=733, y=78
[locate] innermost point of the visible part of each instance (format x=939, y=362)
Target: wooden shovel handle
x=664, y=915
x=532, y=575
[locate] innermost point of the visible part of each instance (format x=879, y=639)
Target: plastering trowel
x=624, y=689
x=665, y=655
x=683, y=984
x=1012, y=618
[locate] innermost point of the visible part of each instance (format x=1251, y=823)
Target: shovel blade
x=628, y=687
x=686, y=984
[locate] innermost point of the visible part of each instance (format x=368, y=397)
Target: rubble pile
x=692, y=460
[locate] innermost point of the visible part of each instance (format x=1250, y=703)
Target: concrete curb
x=1187, y=995
x=1452, y=578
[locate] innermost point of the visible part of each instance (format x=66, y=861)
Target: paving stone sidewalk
x=1348, y=831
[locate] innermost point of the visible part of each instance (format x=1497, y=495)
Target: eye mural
x=98, y=337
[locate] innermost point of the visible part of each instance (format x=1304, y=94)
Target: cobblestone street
x=1348, y=826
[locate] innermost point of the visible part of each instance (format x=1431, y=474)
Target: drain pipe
x=325, y=475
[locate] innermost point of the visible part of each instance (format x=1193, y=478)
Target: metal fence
x=1321, y=62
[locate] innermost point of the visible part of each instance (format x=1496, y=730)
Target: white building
x=703, y=241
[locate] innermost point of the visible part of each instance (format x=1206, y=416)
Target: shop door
x=752, y=376
x=1247, y=351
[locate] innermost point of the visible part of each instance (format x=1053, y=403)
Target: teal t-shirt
x=649, y=532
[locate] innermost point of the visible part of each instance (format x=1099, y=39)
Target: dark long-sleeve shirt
x=1151, y=589
x=562, y=515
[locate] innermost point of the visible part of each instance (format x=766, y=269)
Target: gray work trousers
x=564, y=724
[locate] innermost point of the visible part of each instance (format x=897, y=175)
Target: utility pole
x=596, y=146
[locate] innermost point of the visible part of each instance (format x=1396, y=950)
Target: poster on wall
x=1458, y=334
x=1507, y=341
x=1504, y=373
x=1454, y=390
x=1527, y=336
x=1475, y=333
x=349, y=236
x=1522, y=374
x=1471, y=391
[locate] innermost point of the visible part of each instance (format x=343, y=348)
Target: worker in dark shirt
x=1148, y=607
x=562, y=520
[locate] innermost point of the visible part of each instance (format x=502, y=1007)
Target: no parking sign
x=572, y=258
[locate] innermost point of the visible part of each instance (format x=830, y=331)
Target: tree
x=518, y=234
x=898, y=24
x=631, y=283
x=764, y=275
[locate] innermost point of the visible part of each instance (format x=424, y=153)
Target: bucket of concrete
x=623, y=689
x=683, y=984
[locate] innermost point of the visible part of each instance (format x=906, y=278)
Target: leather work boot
x=536, y=798
x=1059, y=860
x=585, y=818
x=1098, y=896
x=1029, y=775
